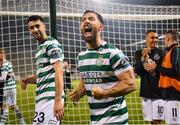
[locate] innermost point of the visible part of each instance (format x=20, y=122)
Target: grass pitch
x=77, y=113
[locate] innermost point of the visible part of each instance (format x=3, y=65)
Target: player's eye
x=154, y=37
x=83, y=19
x=31, y=27
x=37, y=26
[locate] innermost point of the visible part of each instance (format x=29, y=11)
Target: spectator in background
x=170, y=77
x=106, y=75
x=9, y=90
x=152, y=102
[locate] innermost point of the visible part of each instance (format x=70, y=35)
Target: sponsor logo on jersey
x=156, y=57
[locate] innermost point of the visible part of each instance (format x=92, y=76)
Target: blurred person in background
x=9, y=90
x=170, y=77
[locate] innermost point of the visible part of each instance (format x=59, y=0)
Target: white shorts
x=9, y=97
x=153, y=109
x=172, y=112
x=44, y=113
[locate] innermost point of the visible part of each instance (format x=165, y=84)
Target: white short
x=44, y=113
x=153, y=109
x=9, y=97
x=172, y=112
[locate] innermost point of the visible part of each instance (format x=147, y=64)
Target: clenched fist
x=23, y=83
x=98, y=92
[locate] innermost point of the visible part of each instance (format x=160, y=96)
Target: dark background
x=147, y=2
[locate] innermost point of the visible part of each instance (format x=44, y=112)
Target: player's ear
x=44, y=26
x=101, y=27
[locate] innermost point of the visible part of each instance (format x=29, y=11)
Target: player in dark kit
x=149, y=91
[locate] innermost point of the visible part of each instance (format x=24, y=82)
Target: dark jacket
x=149, y=83
x=1, y=89
x=172, y=93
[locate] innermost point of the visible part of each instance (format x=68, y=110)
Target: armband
x=56, y=54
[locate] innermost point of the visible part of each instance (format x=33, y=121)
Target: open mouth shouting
x=88, y=32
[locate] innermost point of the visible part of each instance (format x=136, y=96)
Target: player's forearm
x=81, y=89
x=59, y=85
x=122, y=88
x=30, y=79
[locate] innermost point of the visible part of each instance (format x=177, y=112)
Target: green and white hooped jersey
x=99, y=67
x=45, y=72
x=3, y=74
x=10, y=82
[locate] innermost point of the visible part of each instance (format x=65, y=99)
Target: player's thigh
x=147, y=109
x=172, y=112
x=158, y=109
x=44, y=113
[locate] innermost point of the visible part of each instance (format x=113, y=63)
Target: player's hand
x=74, y=96
x=58, y=110
x=23, y=83
x=145, y=52
x=98, y=92
x=150, y=67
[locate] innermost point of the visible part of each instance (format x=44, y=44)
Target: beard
x=90, y=38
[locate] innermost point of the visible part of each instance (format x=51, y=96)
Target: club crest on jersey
x=99, y=61
x=156, y=57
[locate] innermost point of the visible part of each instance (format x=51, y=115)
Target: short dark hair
x=174, y=33
x=149, y=31
x=98, y=15
x=2, y=51
x=35, y=18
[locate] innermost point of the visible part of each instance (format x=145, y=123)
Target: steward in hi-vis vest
x=168, y=81
x=170, y=78
x=170, y=68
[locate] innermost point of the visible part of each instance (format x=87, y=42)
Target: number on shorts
x=40, y=117
x=160, y=110
x=174, y=112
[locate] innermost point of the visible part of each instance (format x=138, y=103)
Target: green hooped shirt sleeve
x=119, y=62
x=54, y=51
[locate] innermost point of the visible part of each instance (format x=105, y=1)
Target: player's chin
x=89, y=38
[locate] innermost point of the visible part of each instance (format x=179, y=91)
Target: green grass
x=74, y=114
